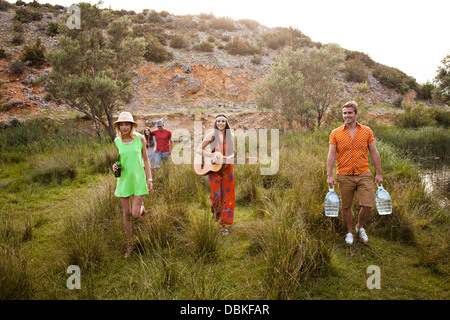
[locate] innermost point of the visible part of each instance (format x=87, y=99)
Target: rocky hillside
x=192, y=81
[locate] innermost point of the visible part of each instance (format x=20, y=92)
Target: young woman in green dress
x=135, y=179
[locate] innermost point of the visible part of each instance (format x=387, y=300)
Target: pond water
x=437, y=181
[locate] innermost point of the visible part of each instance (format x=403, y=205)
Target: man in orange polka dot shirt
x=348, y=147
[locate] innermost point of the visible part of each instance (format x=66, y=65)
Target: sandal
x=143, y=212
x=224, y=231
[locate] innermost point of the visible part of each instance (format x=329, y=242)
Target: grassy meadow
x=58, y=209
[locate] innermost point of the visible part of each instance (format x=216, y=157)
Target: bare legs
x=136, y=210
x=364, y=214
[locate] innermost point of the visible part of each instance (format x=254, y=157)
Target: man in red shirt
x=348, y=146
x=164, y=143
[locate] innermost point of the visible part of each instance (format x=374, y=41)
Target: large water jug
x=331, y=204
x=383, y=201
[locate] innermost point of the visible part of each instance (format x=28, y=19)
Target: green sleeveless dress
x=132, y=180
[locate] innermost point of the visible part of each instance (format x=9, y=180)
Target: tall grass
x=290, y=251
x=15, y=279
x=93, y=230
x=279, y=241
x=425, y=145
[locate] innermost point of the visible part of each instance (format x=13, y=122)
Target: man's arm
x=376, y=159
x=331, y=159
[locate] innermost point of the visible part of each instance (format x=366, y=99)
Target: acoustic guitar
x=203, y=165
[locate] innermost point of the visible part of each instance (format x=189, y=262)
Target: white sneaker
x=362, y=234
x=349, y=238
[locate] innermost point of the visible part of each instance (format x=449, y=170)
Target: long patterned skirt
x=222, y=195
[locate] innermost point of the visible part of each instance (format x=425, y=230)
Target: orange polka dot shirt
x=351, y=154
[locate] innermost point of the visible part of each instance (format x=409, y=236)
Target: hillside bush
x=425, y=91
x=5, y=5
x=18, y=26
x=178, y=41
x=287, y=37
x=154, y=17
x=222, y=23
x=242, y=47
x=355, y=70
x=17, y=38
x=250, y=24
x=52, y=29
x=363, y=57
x=415, y=116
x=3, y=54
x=256, y=59
x=17, y=67
x=394, y=78
x=26, y=15
x=204, y=47
x=35, y=54
x=155, y=51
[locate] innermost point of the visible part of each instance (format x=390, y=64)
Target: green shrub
x=204, y=47
x=35, y=54
x=18, y=26
x=52, y=29
x=155, y=51
x=5, y=5
x=26, y=15
x=441, y=115
x=415, y=116
x=364, y=58
x=355, y=70
x=154, y=17
x=362, y=87
x=242, y=47
x=256, y=59
x=3, y=54
x=17, y=67
x=177, y=41
x=17, y=38
x=394, y=78
x=425, y=91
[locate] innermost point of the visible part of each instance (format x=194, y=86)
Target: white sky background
x=411, y=35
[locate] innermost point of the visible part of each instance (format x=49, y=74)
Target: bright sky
x=411, y=35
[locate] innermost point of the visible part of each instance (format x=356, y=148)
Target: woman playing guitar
x=222, y=181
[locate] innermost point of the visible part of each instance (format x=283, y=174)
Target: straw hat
x=125, y=117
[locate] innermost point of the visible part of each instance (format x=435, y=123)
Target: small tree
x=92, y=72
x=442, y=81
x=320, y=68
x=302, y=83
x=282, y=89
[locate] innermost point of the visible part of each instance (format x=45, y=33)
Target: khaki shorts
x=361, y=184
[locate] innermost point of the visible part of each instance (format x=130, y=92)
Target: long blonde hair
x=133, y=132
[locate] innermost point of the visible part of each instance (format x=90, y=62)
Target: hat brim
x=132, y=122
